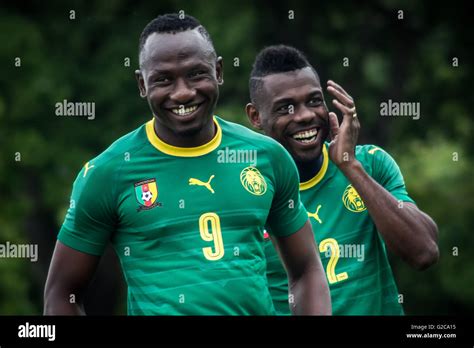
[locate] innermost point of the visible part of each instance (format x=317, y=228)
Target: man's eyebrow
x=206, y=65
x=158, y=71
x=283, y=101
x=317, y=92
x=286, y=100
x=191, y=66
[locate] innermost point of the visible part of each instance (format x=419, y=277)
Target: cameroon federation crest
x=146, y=193
x=253, y=181
x=352, y=200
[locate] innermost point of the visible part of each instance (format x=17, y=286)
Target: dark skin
x=407, y=231
x=181, y=69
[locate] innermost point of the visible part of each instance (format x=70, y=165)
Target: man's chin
x=188, y=127
x=306, y=156
x=189, y=130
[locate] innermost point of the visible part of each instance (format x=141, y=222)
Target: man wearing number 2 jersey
x=184, y=216
x=355, y=195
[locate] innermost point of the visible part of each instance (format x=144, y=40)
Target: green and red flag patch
x=146, y=193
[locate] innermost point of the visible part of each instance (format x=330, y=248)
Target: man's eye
x=316, y=101
x=284, y=108
x=160, y=79
x=197, y=73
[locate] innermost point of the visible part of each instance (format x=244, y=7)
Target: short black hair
x=273, y=60
x=171, y=23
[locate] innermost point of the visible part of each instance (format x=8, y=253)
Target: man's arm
x=407, y=231
x=69, y=275
x=307, y=285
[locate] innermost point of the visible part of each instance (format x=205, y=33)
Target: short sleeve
x=287, y=214
x=387, y=173
x=90, y=219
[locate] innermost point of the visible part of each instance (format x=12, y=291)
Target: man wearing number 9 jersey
x=184, y=215
x=355, y=195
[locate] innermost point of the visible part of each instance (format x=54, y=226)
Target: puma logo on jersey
x=198, y=182
x=86, y=169
x=315, y=214
x=372, y=151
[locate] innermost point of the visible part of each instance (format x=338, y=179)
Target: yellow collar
x=183, y=151
x=318, y=177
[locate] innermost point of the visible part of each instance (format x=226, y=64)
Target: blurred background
x=404, y=51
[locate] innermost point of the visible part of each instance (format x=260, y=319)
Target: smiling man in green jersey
x=186, y=224
x=355, y=195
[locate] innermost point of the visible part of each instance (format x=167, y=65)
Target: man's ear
x=220, y=70
x=141, y=83
x=253, y=115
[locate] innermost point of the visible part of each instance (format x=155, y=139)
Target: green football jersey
x=187, y=223
x=352, y=251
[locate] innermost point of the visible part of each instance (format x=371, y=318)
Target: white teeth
x=306, y=141
x=306, y=136
x=184, y=111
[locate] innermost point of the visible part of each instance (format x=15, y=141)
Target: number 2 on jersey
x=333, y=246
x=214, y=234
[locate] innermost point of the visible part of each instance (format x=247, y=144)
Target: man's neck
x=308, y=170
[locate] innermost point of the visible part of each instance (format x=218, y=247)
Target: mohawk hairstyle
x=273, y=60
x=172, y=23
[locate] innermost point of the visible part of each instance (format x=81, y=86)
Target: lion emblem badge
x=253, y=181
x=352, y=200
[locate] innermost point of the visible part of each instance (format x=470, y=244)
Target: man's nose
x=182, y=93
x=303, y=114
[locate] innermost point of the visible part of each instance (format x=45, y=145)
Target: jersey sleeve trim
x=68, y=238
x=292, y=226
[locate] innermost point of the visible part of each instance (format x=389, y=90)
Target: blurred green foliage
x=84, y=59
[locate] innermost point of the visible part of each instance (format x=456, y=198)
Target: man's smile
x=182, y=110
x=306, y=136
x=186, y=112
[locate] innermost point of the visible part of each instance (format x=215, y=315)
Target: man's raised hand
x=343, y=137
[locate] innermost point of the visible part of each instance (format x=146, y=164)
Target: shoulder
x=250, y=137
x=376, y=160
x=112, y=158
x=371, y=153
x=368, y=149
